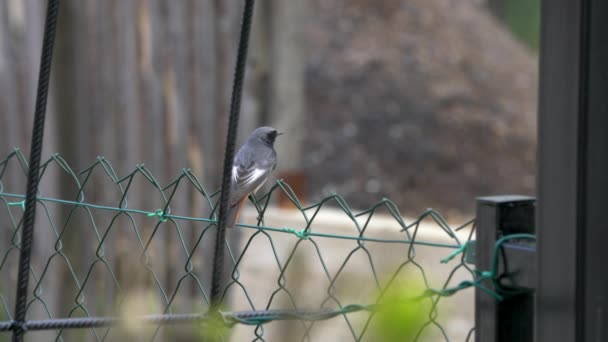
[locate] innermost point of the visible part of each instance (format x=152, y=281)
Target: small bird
x=252, y=165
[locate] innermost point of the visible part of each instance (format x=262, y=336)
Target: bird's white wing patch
x=235, y=174
x=246, y=177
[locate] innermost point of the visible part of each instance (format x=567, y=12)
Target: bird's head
x=265, y=134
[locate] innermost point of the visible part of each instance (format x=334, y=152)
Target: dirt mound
x=428, y=102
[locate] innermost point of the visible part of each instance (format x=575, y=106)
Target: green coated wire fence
x=122, y=247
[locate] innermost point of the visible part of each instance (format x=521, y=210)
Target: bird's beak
x=280, y=133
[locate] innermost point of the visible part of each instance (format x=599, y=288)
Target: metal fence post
x=511, y=319
x=29, y=215
x=572, y=293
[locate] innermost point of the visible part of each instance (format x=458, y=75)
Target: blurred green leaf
x=401, y=312
x=523, y=18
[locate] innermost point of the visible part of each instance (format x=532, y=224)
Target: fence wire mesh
x=118, y=248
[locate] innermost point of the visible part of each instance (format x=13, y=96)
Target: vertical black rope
x=233, y=121
x=27, y=233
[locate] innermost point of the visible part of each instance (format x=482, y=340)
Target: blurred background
x=427, y=102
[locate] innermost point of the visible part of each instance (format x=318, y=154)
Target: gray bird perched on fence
x=252, y=166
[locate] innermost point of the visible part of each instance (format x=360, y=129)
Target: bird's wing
x=245, y=180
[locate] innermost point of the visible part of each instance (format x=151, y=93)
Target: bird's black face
x=272, y=136
x=266, y=134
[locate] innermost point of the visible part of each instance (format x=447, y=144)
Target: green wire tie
x=160, y=214
x=447, y=292
x=231, y=318
x=487, y=274
x=494, y=294
x=302, y=234
x=455, y=253
x=20, y=203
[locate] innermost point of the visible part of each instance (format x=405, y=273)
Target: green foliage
x=401, y=312
x=214, y=329
x=523, y=18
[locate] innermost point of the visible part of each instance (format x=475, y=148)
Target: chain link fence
x=102, y=263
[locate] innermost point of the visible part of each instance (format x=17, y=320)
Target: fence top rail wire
x=168, y=215
x=301, y=233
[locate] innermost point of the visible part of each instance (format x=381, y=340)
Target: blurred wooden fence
x=138, y=82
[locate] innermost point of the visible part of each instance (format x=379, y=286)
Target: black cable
x=233, y=121
x=97, y=322
x=27, y=234
x=6, y=326
x=255, y=317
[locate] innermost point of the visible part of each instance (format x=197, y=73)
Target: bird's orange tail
x=233, y=213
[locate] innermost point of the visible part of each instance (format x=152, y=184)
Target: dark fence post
x=511, y=319
x=572, y=293
x=29, y=215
